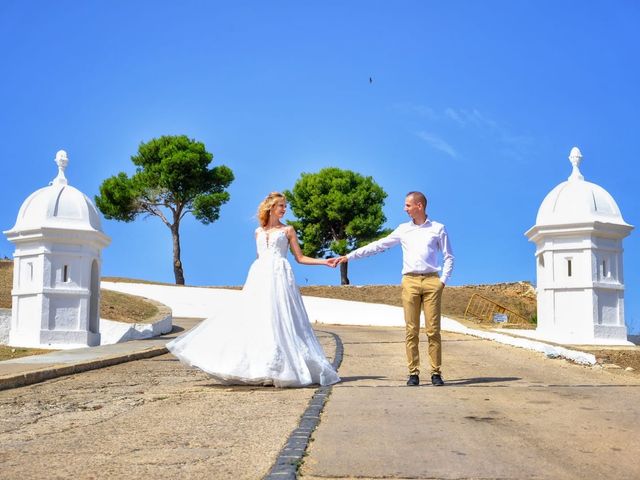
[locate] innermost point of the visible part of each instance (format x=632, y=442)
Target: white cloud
x=454, y=115
x=476, y=124
x=471, y=117
x=438, y=143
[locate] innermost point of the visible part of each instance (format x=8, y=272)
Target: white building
x=578, y=236
x=56, y=278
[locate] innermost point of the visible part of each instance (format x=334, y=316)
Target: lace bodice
x=272, y=242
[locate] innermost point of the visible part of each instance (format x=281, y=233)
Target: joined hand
x=335, y=261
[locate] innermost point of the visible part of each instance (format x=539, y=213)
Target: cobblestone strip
x=290, y=457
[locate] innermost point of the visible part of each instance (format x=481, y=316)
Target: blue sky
x=475, y=103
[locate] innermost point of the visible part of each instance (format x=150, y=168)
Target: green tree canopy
x=337, y=211
x=172, y=179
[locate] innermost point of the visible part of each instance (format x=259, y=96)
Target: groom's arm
x=376, y=247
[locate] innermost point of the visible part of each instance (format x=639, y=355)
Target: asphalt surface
x=504, y=413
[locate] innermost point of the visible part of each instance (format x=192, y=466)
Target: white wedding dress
x=264, y=338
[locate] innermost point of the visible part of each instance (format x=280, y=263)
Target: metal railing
x=484, y=309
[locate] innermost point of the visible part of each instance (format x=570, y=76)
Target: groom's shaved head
x=418, y=197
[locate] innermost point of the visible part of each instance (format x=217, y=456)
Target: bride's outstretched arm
x=297, y=251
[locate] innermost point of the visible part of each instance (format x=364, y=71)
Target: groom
x=422, y=285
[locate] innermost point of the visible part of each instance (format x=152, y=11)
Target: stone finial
x=62, y=161
x=575, y=157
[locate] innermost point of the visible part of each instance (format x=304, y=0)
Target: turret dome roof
x=58, y=205
x=578, y=201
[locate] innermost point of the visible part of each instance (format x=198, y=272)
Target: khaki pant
x=422, y=292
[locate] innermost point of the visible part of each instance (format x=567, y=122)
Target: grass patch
x=8, y=353
x=138, y=280
x=6, y=283
x=123, y=307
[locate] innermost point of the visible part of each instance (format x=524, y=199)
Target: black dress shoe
x=436, y=380
x=413, y=381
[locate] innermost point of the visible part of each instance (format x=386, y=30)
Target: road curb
x=36, y=376
x=290, y=457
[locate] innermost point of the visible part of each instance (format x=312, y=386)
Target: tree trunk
x=344, y=280
x=177, y=264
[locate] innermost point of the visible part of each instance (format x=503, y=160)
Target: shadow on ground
x=471, y=381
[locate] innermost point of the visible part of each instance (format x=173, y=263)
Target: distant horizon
x=110, y=278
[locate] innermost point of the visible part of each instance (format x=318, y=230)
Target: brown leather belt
x=415, y=274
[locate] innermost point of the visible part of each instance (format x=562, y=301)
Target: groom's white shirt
x=420, y=247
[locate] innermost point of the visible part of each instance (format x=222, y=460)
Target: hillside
x=519, y=297
x=6, y=282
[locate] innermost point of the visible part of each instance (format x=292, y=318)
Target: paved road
x=145, y=419
x=505, y=413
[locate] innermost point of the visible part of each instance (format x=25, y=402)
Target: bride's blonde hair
x=264, y=209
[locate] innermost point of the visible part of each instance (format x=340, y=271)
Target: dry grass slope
x=6, y=282
x=519, y=297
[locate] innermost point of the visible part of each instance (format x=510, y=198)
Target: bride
x=264, y=338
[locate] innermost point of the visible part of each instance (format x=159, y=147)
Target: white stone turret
x=580, y=286
x=56, y=279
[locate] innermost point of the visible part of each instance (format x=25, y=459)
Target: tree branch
x=156, y=212
x=334, y=235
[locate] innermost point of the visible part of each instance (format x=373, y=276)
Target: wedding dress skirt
x=263, y=338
